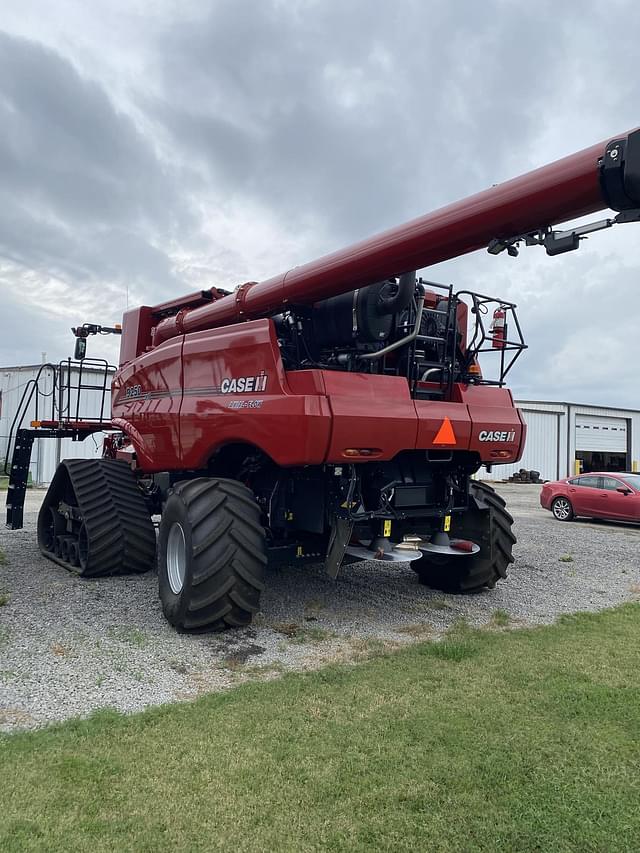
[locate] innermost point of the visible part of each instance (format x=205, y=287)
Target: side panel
x=374, y=412
x=145, y=404
x=498, y=432
x=433, y=431
x=136, y=333
x=236, y=390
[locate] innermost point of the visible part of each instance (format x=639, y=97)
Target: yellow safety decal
x=386, y=530
x=299, y=551
x=447, y=523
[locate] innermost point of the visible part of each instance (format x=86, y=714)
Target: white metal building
x=17, y=410
x=563, y=436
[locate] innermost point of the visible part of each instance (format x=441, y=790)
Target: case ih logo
x=244, y=383
x=495, y=435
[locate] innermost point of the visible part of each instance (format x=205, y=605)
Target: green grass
x=500, y=618
x=132, y=636
x=311, y=634
x=486, y=741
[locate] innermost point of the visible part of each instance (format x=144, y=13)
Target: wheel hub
x=561, y=509
x=176, y=558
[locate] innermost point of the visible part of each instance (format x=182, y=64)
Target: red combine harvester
x=336, y=412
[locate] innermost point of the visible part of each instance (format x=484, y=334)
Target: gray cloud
x=82, y=195
x=360, y=113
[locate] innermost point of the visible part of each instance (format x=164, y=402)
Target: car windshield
x=632, y=480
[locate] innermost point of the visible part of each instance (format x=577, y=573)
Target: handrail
x=64, y=384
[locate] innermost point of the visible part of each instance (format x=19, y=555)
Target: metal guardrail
x=62, y=404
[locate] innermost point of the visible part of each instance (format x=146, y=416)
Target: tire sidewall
x=450, y=575
x=174, y=605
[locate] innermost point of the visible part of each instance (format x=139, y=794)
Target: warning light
x=445, y=434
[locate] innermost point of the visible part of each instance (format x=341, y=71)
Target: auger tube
x=604, y=175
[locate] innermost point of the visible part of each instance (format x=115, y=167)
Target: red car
x=595, y=495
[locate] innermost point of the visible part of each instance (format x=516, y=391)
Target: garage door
x=608, y=435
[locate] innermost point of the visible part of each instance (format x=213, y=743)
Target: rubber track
x=492, y=531
x=121, y=535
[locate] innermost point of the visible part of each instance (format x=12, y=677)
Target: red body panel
x=431, y=414
x=378, y=414
x=150, y=417
x=178, y=405
x=293, y=429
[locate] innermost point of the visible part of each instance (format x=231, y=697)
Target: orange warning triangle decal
x=445, y=434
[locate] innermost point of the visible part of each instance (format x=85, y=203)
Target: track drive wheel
x=487, y=523
x=211, y=555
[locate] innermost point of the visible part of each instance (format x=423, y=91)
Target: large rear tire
x=486, y=523
x=211, y=555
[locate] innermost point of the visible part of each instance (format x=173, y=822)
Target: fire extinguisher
x=499, y=328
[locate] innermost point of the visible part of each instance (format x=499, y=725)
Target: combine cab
x=334, y=413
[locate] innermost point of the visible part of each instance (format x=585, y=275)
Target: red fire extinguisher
x=499, y=328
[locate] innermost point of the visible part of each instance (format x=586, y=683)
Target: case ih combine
x=331, y=413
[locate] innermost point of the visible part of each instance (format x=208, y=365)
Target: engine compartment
x=403, y=327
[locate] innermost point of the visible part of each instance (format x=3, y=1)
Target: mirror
x=623, y=491
x=81, y=349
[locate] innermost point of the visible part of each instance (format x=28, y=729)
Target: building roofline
x=87, y=368
x=577, y=405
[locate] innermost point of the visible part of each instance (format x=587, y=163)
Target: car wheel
x=562, y=509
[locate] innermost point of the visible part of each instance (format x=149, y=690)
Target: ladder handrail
x=23, y=406
x=62, y=386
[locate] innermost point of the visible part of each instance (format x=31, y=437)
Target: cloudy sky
x=151, y=147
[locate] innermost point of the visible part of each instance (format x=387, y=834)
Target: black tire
x=488, y=524
x=562, y=509
x=224, y=555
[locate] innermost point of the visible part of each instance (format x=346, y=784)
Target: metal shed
x=563, y=438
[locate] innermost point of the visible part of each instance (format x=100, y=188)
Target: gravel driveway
x=68, y=646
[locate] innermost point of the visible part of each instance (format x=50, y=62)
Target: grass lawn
x=516, y=741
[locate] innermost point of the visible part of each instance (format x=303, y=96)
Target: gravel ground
x=69, y=646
